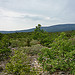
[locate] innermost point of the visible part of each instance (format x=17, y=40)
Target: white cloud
x=11, y=20
x=12, y=14
x=23, y=14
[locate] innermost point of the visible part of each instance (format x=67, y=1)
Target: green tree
x=38, y=28
x=38, y=32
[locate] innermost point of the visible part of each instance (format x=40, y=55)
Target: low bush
x=19, y=64
x=33, y=50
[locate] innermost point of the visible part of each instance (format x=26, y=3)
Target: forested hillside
x=37, y=53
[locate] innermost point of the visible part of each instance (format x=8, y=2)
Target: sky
x=26, y=14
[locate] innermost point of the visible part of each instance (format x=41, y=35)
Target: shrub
x=19, y=64
x=4, y=50
x=33, y=50
x=59, y=57
x=17, y=43
x=34, y=42
x=1, y=69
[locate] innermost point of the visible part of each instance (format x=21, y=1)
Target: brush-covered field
x=37, y=52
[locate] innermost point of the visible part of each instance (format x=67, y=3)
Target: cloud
x=11, y=20
x=7, y=13
x=36, y=17
x=11, y=14
x=23, y=14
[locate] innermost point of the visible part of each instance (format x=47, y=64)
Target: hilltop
x=54, y=28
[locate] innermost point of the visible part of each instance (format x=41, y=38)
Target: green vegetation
x=4, y=50
x=60, y=56
x=55, y=51
x=18, y=64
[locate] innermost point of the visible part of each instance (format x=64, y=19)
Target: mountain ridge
x=54, y=28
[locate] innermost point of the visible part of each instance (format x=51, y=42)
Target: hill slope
x=55, y=28
x=59, y=28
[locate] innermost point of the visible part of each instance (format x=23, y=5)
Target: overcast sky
x=25, y=14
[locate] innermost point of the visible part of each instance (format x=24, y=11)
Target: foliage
x=1, y=69
x=38, y=32
x=38, y=29
x=1, y=35
x=60, y=56
x=33, y=50
x=18, y=42
x=4, y=50
x=28, y=40
x=34, y=42
x=18, y=64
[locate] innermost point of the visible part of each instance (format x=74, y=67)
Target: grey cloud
x=59, y=11
x=34, y=18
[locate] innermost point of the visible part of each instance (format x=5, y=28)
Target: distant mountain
x=54, y=28
x=60, y=28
